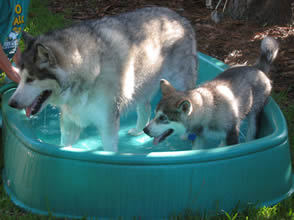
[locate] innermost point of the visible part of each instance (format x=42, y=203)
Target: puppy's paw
x=135, y=132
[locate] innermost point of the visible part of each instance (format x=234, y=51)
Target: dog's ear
x=28, y=39
x=166, y=87
x=185, y=106
x=44, y=57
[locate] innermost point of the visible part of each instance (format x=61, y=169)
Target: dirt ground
x=233, y=42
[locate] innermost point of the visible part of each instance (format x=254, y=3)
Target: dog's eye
x=29, y=79
x=162, y=118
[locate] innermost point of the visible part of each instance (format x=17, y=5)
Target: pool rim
x=278, y=136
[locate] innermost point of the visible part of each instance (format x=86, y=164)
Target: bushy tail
x=269, y=51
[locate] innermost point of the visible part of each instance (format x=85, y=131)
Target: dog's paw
x=69, y=139
x=135, y=132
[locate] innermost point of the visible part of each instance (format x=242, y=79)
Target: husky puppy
x=217, y=107
x=96, y=69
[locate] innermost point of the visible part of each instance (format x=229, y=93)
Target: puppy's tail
x=269, y=51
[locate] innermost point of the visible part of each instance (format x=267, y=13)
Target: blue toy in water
x=142, y=180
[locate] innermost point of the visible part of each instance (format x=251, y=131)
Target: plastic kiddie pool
x=142, y=180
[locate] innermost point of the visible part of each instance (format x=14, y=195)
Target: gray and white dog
x=96, y=69
x=217, y=107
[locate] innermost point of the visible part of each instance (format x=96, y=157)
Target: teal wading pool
x=142, y=180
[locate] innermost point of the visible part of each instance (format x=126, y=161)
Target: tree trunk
x=264, y=12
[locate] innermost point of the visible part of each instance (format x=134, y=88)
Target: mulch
x=231, y=41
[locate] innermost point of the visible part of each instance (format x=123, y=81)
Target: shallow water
x=45, y=127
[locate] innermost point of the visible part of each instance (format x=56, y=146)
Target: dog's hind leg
x=253, y=125
x=143, y=117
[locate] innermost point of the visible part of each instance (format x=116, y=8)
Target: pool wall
x=42, y=183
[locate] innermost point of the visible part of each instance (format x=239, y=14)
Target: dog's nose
x=12, y=103
x=146, y=130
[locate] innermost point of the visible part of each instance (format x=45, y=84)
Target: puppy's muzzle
x=14, y=104
x=146, y=131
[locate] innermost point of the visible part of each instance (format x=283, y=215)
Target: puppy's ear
x=28, y=39
x=44, y=57
x=166, y=87
x=185, y=106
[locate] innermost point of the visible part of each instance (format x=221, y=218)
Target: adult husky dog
x=96, y=69
x=217, y=107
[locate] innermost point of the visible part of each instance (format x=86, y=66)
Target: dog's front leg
x=233, y=136
x=108, y=128
x=70, y=131
x=143, y=117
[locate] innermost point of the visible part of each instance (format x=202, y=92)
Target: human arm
x=16, y=57
x=6, y=66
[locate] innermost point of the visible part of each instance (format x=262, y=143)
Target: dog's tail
x=269, y=51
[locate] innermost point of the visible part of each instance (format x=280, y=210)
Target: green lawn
x=42, y=20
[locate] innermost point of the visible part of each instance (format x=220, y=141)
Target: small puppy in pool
x=216, y=108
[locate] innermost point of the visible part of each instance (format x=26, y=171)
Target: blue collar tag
x=192, y=136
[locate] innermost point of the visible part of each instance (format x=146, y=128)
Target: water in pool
x=46, y=128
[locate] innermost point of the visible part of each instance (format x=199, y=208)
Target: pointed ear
x=44, y=57
x=166, y=87
x=185, y=106
x=28, y=39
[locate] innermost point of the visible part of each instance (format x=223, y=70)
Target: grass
x=287, y=106
x=42, y=20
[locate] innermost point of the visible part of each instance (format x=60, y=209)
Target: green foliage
x=287, y=106
x=41, y=19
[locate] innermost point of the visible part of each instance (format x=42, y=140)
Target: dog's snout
x=146, y=130
x=12, y=103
